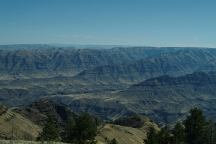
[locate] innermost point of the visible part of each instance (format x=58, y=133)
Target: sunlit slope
x=13, y=125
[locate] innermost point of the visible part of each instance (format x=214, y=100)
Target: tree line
x=81, y=130
x=195, y=129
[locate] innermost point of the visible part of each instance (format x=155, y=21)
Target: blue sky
x=112, y=22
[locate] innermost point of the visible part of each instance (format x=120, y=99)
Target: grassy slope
x=123, y=134
x=22, y=127
x=26, y=142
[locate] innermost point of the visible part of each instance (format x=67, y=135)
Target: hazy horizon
x=102, y=45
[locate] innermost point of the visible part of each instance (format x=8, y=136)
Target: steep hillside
x=26, y=61
x=13, y=125
x=209, y=66
x=39, y=111
x=99, y=106
x=125, y=134
x=168, y=98
x=25, y=123
x=178, y=63
x=24, y=92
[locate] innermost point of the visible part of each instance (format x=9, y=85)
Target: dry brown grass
x=123, y=134
x=26, y=142
x=14, y=125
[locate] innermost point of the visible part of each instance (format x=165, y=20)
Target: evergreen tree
x=85, y=129
x=70, y=130
x=50, y=131
x=164, y=136
x=179, y=134
x=152, y=137
x=211, y=132
x=196, y=130
x=195, y=127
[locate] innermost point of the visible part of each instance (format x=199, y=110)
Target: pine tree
x=85, y=129
x=179, y=134
x=152, y=137
x=195, y=127
x=70, y=130
x=50, y=131
x=211, y=132
x=164, y=136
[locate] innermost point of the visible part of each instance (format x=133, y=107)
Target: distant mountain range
x=163, y=83
x=46, y=60
x=175, y=63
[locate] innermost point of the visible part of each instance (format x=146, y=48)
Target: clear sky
x=113, y=22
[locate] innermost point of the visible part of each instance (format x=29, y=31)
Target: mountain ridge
x=170, y=98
